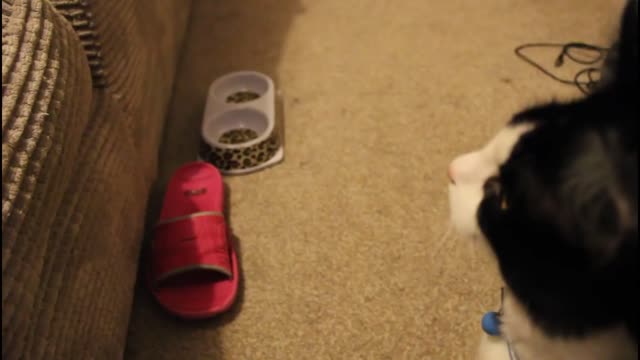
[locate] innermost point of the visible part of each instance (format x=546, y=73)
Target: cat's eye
x=504, y=205
x=493, y=187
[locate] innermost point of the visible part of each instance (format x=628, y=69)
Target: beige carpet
x=344, y=252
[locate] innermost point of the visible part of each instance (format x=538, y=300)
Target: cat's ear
x=607, y=223
x=600, y=201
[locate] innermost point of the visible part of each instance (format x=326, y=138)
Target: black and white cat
x=555, y=196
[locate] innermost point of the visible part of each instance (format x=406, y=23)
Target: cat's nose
x=450, y=174
x=492, y=186
x=467, y=168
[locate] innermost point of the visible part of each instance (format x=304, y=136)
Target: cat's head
x=554, y=194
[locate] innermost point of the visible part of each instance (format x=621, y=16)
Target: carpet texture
x=344, y=246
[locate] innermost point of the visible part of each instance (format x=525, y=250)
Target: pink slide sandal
x=194, y=267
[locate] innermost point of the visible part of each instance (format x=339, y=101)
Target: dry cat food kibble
x=237, y=136
x=242, y=96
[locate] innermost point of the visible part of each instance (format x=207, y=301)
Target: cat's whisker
x=475, y=248
x=439, y=244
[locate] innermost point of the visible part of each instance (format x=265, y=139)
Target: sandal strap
x=189, y=216
x=190, y=243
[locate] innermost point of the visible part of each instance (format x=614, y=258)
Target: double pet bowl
x=239, y=130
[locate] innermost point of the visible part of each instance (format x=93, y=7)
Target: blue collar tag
x=491, y=323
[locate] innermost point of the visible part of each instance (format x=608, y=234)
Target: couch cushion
x=78, y=13
x=77, y=165
x=139, y=44
x=46, y=99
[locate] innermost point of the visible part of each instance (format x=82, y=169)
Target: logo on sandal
x=195, y=192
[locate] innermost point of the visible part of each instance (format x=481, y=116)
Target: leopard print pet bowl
x=239, y=131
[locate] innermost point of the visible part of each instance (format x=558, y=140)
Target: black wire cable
x=566, y=51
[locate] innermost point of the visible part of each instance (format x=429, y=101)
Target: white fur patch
x=492, y=348
x=470, y=171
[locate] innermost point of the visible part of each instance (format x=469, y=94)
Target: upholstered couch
x=85, y=90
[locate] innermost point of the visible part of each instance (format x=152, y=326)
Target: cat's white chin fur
x=492, y=348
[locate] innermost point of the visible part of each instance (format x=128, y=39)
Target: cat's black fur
x=562, y=215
